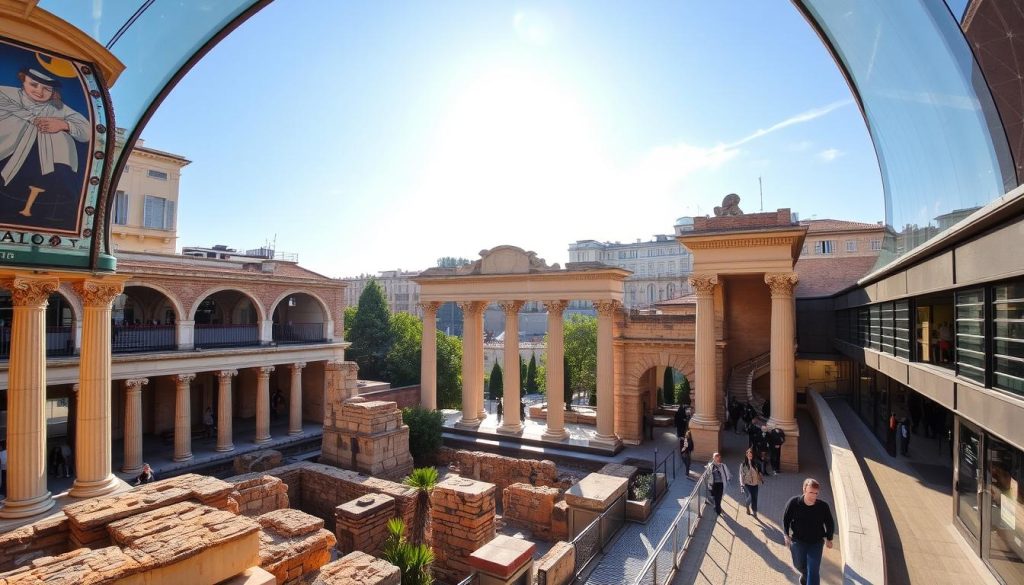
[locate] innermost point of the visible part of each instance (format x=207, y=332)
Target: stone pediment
x=507, y=260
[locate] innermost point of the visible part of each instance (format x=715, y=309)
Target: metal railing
x=226, y=335
x=469, y=580
x=592, y=540
x=662, y=467
x=664, y=562
x=137, y=338
x=300, y=332
x=60, y=341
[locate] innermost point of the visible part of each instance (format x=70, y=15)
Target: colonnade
x=473, y=366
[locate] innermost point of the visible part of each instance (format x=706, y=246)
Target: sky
x=380, y=135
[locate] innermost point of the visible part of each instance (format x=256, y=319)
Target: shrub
x=425, y=427
x=423, y=479
x=412, y=560
x=641, y=488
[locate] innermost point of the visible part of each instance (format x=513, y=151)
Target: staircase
x=741, y=379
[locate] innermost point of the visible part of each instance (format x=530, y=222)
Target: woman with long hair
x=751, y=479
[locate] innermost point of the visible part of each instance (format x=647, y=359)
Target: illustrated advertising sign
x=54, y=137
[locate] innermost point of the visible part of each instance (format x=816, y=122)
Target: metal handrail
x=651, y=566
x=615, y=516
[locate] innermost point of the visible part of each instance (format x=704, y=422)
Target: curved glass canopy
x=941, y=145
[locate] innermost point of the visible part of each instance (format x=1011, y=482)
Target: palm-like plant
x=412, y=560
x=423, y=479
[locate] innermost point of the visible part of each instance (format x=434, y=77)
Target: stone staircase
x=741, y=379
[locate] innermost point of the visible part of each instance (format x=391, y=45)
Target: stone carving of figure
x=730, y=206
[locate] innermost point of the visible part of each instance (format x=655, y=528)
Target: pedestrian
x=522, y=410
x=498, y=409
x=751, y=478
x=719, y=479
x=904, y=434
x=754, y=436
x=681, y=421
x=208, y=421
x=686, y=450
x=649, y=426
x=3, y=467
x=146, y=476
x=807, y=525
x=776, y=438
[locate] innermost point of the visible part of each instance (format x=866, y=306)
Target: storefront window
x=902, y=320
x=1008, y=337
x=876, y=327
x=888, y=329
x=970, y=334
x=1005, y=550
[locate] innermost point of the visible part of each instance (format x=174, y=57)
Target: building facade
x=400, y=291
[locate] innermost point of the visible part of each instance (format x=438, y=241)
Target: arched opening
x=300, y=318
x=143, y=320
x=227, y=318
x=60, y=325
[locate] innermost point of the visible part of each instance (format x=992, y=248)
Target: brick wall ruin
x=502, y=471
x=463, y=520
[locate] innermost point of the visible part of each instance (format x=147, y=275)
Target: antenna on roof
x=760, y=188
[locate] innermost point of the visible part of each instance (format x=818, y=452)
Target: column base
x=183, y=458
x=706, y=439
x=468, y=423
x=789, y=459
x=225, y=448
x=263, y=441
x=133, y=470
x=611, y=441
x=24, y=508
x=555, y=435
x=516, y=429
x=294, y=433
x=91, y=489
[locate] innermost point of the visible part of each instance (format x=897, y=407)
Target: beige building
x=145, y=211
x=836, y=238
x=400, y=291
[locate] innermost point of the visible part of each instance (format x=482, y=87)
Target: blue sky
x=369, y=136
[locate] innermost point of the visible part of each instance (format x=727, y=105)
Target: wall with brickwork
x=259, y=493
x=779, y=218
x=462, y=512
x=748, y=317
x=362, y=524
x=531, y=507
x=44, y=538
x=367, y=436
x=405, y=397
x=500, y=470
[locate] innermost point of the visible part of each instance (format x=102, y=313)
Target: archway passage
x=143, y=319
x=227, y=318
x=299, y=318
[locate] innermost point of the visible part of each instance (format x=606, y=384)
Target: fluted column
x=472, y=375
x=705, y=424
x=225, y=442
x=428, y=356
x=183, y=417
x=263, y=404
x=605, y=372
x=783, y=395
x=510, y=375
x=93, y=467
x=554, y=368
x=133, y=425
x=26, y=399
x=295, y=400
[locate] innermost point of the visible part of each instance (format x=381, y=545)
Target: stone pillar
x=428, y=359
x=554, y=368
x=463, y=521
x=705, y=424
x=295, y=400
x=183, y=417
x=26, y=399
x=263, y=404
x=186, y=334
x=133, y=425
x=605, y=373
x=472, y=375
x=783, y=393
x=510, y=376
x=93, y=467
x=225, y=442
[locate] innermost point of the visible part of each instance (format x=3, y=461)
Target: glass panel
x=887, y=328
x=902, y=318
x=1008, y=336
x=876, y=327
x=864, y=326
x=967, y=479
x=970, y=334
x=1006, y=524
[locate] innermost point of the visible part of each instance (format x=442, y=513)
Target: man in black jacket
x=808, y=524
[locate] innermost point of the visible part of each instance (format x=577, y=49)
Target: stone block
x=78, y=567
x=558, y=564
x=560, y=520
x=362, y=523
x=257, y=461
x=618, y=470
x=292, y=544
x=358, y=568
x=503, y=556
x=596, y=492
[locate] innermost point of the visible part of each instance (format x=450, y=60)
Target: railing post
x=654, y=478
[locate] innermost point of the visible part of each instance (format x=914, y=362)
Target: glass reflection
x=967, y=479
x=1006, y=523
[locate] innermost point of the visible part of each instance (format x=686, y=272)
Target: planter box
x=638, y=511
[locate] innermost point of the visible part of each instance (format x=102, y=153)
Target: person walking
x=903, y=430
x=751, y=479
x=776, y=437
x=499, y=410
x=719, y=479
x=807, y=524
x=686, y=450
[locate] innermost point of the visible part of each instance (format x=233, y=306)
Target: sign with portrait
x=53, y=145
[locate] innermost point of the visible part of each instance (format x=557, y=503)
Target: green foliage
x=350, y=316
x=531, y=376
x=661, y=396
x=641, y=488
x=522, y=375
x=670, y=386
x=451, y=262
x=423, y=479
x=449, y=371
x=403, y=362
x=370, y=333
x=581, y=352
x=425, y=428
x=566, y=385
x=684, y=391
x=496, y=385
x=412, y=560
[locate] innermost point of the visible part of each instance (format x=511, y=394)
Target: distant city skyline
x=378, y=137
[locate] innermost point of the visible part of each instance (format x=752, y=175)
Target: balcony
x=210, y=336
x=300, y=333
x=130, y=338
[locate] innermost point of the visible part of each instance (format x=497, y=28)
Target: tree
x=684, y=391
x=425, y=428
x=581, y=353
x=413, y=560
x=531, y=376
x=350, y=316
x=423, y=480
x=370, y=333
x=449, y=371
x=566, y=385
x=668, y=383
x=497, y=385
x=522, y=375
x=403, y=360
x=452, y=262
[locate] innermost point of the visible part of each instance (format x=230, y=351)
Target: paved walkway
x=914, y=503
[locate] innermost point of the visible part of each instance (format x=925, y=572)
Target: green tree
x=449, y=371
x=370, y=333
x=350, y=316
x=423, y=480
x=581, y=352
x=670, y=386
x=425, y=427
x=402, y=367
x=497, y=384
x=451, y=262
x=684, y=391
x=566, y=385
x=522, y=375
x=531, y=376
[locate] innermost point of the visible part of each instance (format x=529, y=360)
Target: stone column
x=295, y=400
x=554, y=369
x=133, y=425
x=93, y=467
x=186, y=334
x=263, y=404
x=472, y=377
x=783, y=393
x=705, y=424
x=183, y=417
x=26, y=399
x=225, y=441
x=428, y=359
x=510, y=376
x=605, y=373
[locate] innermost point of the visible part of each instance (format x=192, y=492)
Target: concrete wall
x=748, y=314
x=815, y=325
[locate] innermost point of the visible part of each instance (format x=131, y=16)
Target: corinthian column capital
x=511, y=308
x=429, y=307
x=704, y=284
x=781, y=283
x=135, y=384
x=184, y=379
x=226, y=374
x=264, y=372
x=297, y=366
x=557, y=307
x=97, y=293
x=472, y=308
x=607, y=308
x=30, y=292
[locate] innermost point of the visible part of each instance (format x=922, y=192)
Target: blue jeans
x=807, y=560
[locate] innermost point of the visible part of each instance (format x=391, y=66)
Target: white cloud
x=830, y=154
x=800, y=118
